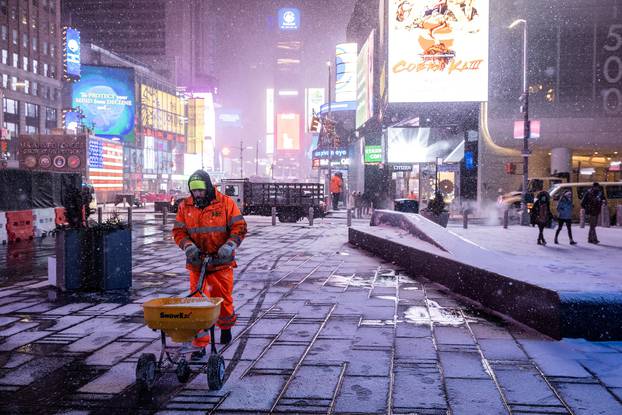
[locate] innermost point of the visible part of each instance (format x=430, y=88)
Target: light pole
x=526, y=126
x=326, y=130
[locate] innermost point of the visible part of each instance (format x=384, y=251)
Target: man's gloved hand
x=193, y=255
x=227, y=250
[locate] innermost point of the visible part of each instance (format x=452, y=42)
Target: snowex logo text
x=180, y=315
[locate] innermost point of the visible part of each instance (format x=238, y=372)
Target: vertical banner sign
x=314, y=98
x=365, y=82
x=288, y=132
x=610, y=76
x=438, y=51
x=345, y=72
x=269, y=121
x=71, y=54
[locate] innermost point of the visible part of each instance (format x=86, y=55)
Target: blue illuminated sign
x=105, y=95
x=469, y=160
x=72, y=53
x=289, y=19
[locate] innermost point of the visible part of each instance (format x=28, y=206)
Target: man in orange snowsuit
x=210, y=223
x=336, y=187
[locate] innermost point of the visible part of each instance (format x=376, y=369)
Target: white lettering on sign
x=612, y=71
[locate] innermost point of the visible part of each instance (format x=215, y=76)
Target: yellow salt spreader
x=181, y=318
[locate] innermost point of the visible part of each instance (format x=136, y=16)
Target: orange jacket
x=209, y=228
x=335, y=184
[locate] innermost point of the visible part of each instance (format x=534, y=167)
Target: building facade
x=175, y=38
x=30, y=66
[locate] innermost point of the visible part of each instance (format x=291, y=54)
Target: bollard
x=349, y=217
x=273, y=216
x=311, y=216
x=164, y=216
x=124, y=201
x=129, y=216
x=619, y=215
x=465, y=219
x=100, y=214
x=605, y=219
x=582, y=218
x=506, y=218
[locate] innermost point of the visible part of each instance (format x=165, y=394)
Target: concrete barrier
x=582, y=218
x=273, y=211
x=311, y=216
x=605, y=219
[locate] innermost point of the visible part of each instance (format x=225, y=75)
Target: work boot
x=198, y=355
x=225, y=336
x=572, y=242
x=556, y=242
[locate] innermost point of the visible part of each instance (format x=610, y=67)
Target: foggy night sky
x=246, y=36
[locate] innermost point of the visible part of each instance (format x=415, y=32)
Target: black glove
x=193, y=255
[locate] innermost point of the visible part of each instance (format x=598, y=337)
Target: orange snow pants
x=217, y=284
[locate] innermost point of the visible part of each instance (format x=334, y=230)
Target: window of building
x=13, y=13
x=34, y=43
x=5, y=57
x=5, y=81
x=45, y=48
x=50, y=114
x=52, y=50
x=45, y=69
x=3, y=7
x=15, y=36
x=26, y=86
x=35, y=88
x=25, y=40
x=35, y=66
x=5, y=32
x=24, y=18
x=10, y=106
x=35, y=3
x=15, y=60
x=31, y=129
x=12, y=127
x=13, y=83
x=24, y=63
x=32, y=110
x=33, y=22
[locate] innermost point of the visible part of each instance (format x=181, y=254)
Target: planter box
x=441, y=219
x=94, y=259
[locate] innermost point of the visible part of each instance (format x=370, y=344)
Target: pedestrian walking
x=564, y=215
x=366, y=202
x=358, y=204
x=336, y=186
x=541, y=214
x=592, y=202
x=210, y=223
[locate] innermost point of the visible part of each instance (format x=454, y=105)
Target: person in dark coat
x=541, y=214
x=592, y=202
x=564, y=215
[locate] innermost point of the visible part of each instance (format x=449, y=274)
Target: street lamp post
x=330, y=146
x=526, y=124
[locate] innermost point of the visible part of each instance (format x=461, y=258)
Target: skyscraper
x=173, y=37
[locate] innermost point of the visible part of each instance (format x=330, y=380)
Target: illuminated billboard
x=287, y=132
x=161, y=111
x=365, y=82
x=438, y=51
x=420, y=145
x=71, y=53
x=269, y=121
x=314, y=98
x=289, y=19
x=345, y=72
x=105, y=95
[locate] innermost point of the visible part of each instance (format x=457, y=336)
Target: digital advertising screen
x=365, y=82
x=420, y=145
x=438, y=51
x=105, y=95
x=71, y=53
x=314, y=98
x=287, y=132
x=345, y=72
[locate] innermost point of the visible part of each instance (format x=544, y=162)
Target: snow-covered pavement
x=323, y=328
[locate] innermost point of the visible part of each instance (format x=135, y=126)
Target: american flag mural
x=105, y=165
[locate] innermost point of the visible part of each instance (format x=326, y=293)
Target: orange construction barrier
x=61, y=218
x=20, y=226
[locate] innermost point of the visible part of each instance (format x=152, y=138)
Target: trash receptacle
x=406, y=205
